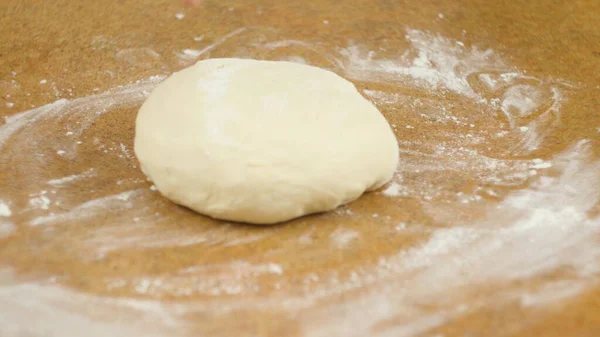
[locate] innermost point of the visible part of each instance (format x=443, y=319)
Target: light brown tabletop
x=490, y=227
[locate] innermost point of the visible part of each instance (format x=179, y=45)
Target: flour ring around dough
x=262, y=141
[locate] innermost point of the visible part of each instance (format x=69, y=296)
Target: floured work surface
x=490, y=227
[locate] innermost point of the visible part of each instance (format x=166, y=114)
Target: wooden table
x=490, y=227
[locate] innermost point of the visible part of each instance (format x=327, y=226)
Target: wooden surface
x=101, y=250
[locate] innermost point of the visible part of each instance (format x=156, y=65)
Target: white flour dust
x=7, y=228
x=434, y=61
x=44, y=309
x=212, y=280
x=86, y=109
x=393, y=190
x=458, y=132
x=342, y=237
x=4, y=209
x=532, y=232
x=193, y=54
x=40, y=201
x=71, y=178
x=140, y=229
x=90, y=208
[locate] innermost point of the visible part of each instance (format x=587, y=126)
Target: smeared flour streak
x=193, y=54
x=342, y=237
x=4, y=209
x=7, y=228
x=233, y=278
x=57, y=311
x=24, y=128
x=452, y=139
x=18, y=121
x=72, y=178
x=93, y=207
x=553, y=292
x=435, y=62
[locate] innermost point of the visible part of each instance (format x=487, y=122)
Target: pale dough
x=262, y=141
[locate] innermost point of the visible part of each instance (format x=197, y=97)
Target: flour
x=4, y=209
x=193, y=54
x=40, y=201
x=190, y=54
x=306, y=237
x=487, y=87
x=553, y=292
x=438, y=63
x=54, y=308
x=380, y=97
x=342, y=237
x=244, y=240
x=285, y=43
x=18, y=121
x=233, y=278
x=540, y=164
x=504, y=247
x=7, y=228
x=126, y=96
x=138, y=56
x=87, y=209
x=239, y=267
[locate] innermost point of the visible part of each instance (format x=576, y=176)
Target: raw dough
x=262, y=141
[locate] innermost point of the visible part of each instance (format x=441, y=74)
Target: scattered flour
x=530, y=233
x=4, y=209
x=233, y=278
x=72, y=178
x=7, y=228
x=438, y=62
x=380, y=97
x=126, y=96
x=451, y=140
x=58, y=311
x=41, y=201
x=553, y=292
x=16, y=122
x=87, y=209
x=193, y=54
x=343, y=237
x=307, y=237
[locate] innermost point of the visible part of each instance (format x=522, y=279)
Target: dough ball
x=262, y=141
